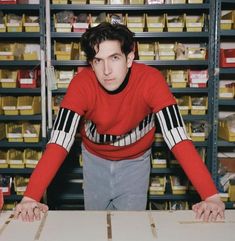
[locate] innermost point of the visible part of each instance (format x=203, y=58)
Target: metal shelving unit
x=176, y=64
x=24, y=37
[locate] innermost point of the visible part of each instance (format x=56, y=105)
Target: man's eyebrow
x=112, y=55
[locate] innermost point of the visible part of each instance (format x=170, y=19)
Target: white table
x=117, y=226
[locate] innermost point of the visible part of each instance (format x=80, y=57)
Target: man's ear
x=130, y=58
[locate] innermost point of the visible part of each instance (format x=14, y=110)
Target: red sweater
x=120, y=126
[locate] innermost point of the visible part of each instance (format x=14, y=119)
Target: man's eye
x=96, y=61
x=115, y=57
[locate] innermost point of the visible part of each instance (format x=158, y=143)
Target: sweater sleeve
x=195, y=169
x=45, y=170
x=176, y=137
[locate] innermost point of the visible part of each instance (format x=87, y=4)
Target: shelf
x=230, y=33
x=12, y=198
x=189, y=90
x=171, y=197
x=227, y=71
x=25, y=91
x=16, y=170
x=184, y=63
x=20, y=35
x=17, y=63
x=222, y=143
x=20, y=7
x=20, y=117
x=196, y=143
x=6, y=144
x=120, y=7
x=227, y=102
x=141, y=35
x=166, y=170
x=230, y=205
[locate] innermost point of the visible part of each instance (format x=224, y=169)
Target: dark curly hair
x=107, y=31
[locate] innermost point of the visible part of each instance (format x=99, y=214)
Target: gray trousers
x=115, y=185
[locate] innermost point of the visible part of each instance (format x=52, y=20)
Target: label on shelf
x=24, y=107
x=20, y=189
x=9, y=107
x=7, y=80
x=183, y=107
x=26, y=81
x=140, y=25
x=31, y=24
x=159, y=161
x=16, y=162
x=80, y=25
x=14, y=135
x=155, y=25
x=3, y=161
x=230, y=60
x=198, y=134
x=31, y=161
x=194, y=24
x=199, y=107
x=175, y=25
x=30, y=135
x=146, y=53
x=6, y=53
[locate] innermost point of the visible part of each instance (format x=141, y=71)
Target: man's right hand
x=29, y=210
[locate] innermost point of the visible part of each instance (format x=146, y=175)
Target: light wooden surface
x=117, y=226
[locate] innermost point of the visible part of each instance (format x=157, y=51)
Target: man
x=118, y=100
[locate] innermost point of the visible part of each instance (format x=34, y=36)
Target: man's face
x=111, y=65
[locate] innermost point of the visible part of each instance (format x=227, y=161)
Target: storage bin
x=31, y=23
x=178, y=186
x=8, y=1
x=3, y=158
x=184, y=104
x=31, y=132
x=81, y=22
x=198, y=78
x=157, y=185
x=2, y=131
x=195, y=1
x=165, y=51
x=14, y=132
x=78, y=1
x=97, y=19
x=135, y=23
x=226, y=21
x=31, y=52
x=31, y=157
x=9, y=105
x=1, y=110
x=178, y=78
x=56, y=100
x=226, y=89
x=66, y=51
x=175, y=23
x=155, y=23
x=15, y=158
x=20, y=184
x=8, y=78
x=227, y=58
x=29, y=105
x=226, y=131
x=59, y=1
x=198, y=105
x=194, y=23
x=6, y=51
x=146, y=51
x=158, y=160
x=62, y=27
x=197, y=131
x=14, y=23
x=28, y=78
x=3, y=27
x=63, y=78
x=196, y=53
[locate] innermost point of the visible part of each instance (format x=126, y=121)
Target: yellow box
x=135, y=23
x=3, y=159
x=178, y=78
x=226, y=89
x=63, y=78
x=175, y=23
x=231, y=190
x=59, y=1
x=8, y=78
x=15, y=158
x=198, y=109
x=66, y=51
x=29, y=105
x=62, y=27
x=1, y=110
x=78, y=1
x=116, y=2
x=226, y=21
x=6, y=51
x=158, y=162
x=3, y=25
x=146, y=51
x=141, y=2
x=166, y=51
x=157, y=185
x=9, y=105
x=2, y=131
x=97, y=2
x=194, y=23
x=20, y=184
x=225, y=132
x=155, y=23
x=31, y=157
x=184, y=104
x=14, y=132
x=31, y=132
x=196, y=53
x=177, y=1
x=12, y=25
x=31, y=23
x=195, y=1
x=178, y=189
x=30, y=56
x=196, y=136
x=56, y=100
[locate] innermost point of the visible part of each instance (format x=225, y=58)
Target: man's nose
x=107, y=68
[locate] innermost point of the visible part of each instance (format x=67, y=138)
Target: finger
x=221, y=214
x=37, y=213
x=43, y=207
x=199, y=211
x=30, y=214
x=206, y=214
x=17, y=212
x=23, y=215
